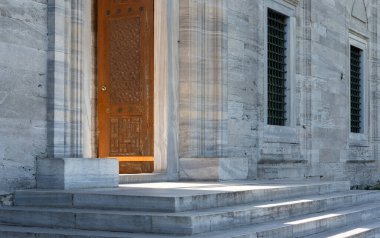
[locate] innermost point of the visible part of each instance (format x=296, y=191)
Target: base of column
x=68, y=173
x=213, y=168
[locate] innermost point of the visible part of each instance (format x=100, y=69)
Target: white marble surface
x=213, y=168
x=70, y=173
x=23, y=66
x=210, y=89
x=270, y=209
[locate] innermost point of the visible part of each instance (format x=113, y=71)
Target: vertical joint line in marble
x=203, y=80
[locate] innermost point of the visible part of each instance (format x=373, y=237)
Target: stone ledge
x=360, y=161
x=293, y=2
x=282, y=161
x=68, y=173
x=213, y=169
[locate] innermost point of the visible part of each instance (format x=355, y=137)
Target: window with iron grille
x=355, y=89
x=276, y=55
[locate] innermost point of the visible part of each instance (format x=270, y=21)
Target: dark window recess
x=276, y=68
x=355, y=86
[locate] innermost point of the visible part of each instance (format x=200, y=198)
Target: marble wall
x=335, y=153
x=23, y=90
x=211, y=76
x=222, y=104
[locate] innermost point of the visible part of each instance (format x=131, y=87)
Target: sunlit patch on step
x=312, y=219
x=350, y=233
x=283, y=203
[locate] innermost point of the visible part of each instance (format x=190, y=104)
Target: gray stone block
x=120, y=202
x=113, y=222
x=39, y=232
x=41, y=198
x=77, y=173
x=213, y=168
x=37, y=217
x=172, y=224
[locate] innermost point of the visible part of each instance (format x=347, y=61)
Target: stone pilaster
x=304, y=72
x=203, y=113
x=65, y=78
x=202, y=86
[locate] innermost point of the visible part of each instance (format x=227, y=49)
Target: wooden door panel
x=125, y=136
x=125, y=77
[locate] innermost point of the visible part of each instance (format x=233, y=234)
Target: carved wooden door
x=125, y=78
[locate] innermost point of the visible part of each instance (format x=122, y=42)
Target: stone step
x=304, y=226
x=176, y=197
x=41, y=232
x=234, y=216
x=301, y=226
x=361, y=230
x=185, y=223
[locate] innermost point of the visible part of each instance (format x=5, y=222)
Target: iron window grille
x=355, y=88
x=276, y=68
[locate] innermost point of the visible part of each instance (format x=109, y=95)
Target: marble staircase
x=198, y=209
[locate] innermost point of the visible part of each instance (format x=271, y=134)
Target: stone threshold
x=146, y=178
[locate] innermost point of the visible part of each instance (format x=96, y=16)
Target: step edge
x=276, y=203
x=341, y=230
x=178, y=201
x=287, y=222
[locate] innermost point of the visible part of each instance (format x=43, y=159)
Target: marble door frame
x=72, y=96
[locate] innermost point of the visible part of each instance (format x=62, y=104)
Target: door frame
x=166, y=71
x=105, y=105
x=72, y=121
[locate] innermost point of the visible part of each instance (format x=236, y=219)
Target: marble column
x=65, y=78
x=203, y=93
x=69, y=117
x=202, y=82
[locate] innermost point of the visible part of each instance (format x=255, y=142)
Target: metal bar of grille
x=276, y=68
x=355, y=85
